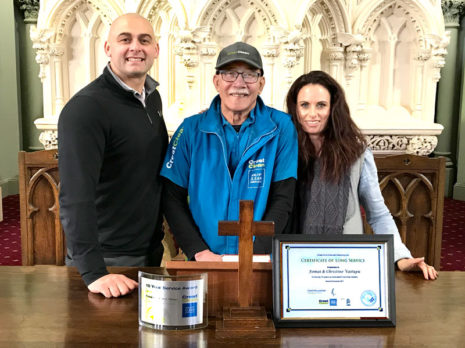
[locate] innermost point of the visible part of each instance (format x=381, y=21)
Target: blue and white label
x=256, y=178
x=171, y=303
x=189, y=309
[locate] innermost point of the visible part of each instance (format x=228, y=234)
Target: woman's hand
x=418, y=264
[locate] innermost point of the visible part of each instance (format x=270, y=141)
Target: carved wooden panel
x=42, y=238
x=413, y=190
x=412, y=186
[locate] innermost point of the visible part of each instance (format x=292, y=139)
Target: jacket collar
x=211, y=121
x=150, y=84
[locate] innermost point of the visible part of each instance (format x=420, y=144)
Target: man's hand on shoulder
x=113, y=285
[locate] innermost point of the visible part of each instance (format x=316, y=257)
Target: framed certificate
x=333, y=281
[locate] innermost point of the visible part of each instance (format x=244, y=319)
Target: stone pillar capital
x=293, y=47
x=187, y=45
x=30, y=9
x=335, y=53
x=41, y=44
x=453, y=10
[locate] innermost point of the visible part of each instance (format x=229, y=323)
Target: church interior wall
x=387, y=54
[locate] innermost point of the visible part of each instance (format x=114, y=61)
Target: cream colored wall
x=387, y=55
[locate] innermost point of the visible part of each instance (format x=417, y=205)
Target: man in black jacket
x=111, y=142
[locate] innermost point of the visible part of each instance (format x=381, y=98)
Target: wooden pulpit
x=238, y=292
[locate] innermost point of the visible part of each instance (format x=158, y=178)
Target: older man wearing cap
x=238, y=149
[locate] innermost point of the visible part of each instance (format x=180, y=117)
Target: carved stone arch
x=418, y=15
x=153, y=9
x=264, y=10
x=334, y=19
x=321, y=20
x=93, y=32
x=94, y=23
x=59, y=17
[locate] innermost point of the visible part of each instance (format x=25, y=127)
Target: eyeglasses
x=231, y=76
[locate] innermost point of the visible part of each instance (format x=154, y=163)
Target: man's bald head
x=127, y=19
x=131, y=47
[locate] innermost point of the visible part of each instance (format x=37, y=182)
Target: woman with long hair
x=337, y=171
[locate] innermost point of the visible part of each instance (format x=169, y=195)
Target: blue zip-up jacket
x=196, y=159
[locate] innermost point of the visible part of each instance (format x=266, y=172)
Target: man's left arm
x=281, y=195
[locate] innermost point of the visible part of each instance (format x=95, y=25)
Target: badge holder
x=173, y=302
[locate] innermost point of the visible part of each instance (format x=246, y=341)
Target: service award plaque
x=173, y=302
x=333, y=281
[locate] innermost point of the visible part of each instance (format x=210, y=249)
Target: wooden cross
x=246, y=228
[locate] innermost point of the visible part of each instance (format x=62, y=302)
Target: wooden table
x=50, y=306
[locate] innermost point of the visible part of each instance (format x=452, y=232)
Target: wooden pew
x=413, y=190
x=412, y=186
x=42, y=237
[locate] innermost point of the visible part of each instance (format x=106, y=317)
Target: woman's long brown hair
x=343, y=141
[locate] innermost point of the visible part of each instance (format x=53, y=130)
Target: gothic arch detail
x=388, y=82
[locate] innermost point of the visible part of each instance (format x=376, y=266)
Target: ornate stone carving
x=332, y=17
x=68, y=9
x=423, y=54
x=56, y=51
x=453, y=10
x=389, y=143
x=353, y=47
x=217, y=8
x=293, y=37
x=208, y=49
x=419, y=145
x=335, y=54
x=30, y=8
x=364, y=56
x=49, y=139
x=422, y=145
x=438, y=46
x=156, y=7
x=407, y=9
x=186, y=45
x=291, y=43
x=40, y=42
x=270, y=51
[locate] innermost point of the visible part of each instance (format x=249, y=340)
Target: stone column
x=363, y=57
x=187, y=49
x=447, y=101
x=293, y=50
x=31, y=87
x=270, y=52
x=459, y=187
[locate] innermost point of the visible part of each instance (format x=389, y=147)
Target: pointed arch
x=421, y=15
x=264, y=10
x=62, y=14
x=152, y=9
x=334, y=17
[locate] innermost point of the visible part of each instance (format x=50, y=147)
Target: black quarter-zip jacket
x=110, y=150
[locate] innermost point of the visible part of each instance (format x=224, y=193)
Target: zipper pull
x=148, y=116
